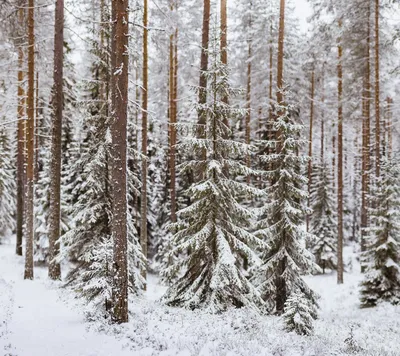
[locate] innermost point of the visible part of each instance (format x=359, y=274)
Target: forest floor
x=38, y=318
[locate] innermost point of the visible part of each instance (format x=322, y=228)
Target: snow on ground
x=37, y=318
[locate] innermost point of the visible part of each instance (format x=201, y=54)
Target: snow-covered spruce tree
x=299, y=314
x=382, y=257
x=323, y=218
x=7, y=187
x=281, y=217
x=213, y=229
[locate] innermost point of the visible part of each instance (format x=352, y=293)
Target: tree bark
x=389, y=102
x=366, y=140
x=377, y=94
x=119, y=90
x=30, y=144
x=55, y=168
x=248, y=99
x=37, y=129
x=310, y=138
x=224, y=44
x=323, y=116
x=340, y=163
x=21, y=139
x=173, y=91
x=143, y=208
x=204, y=64
x=280, y=282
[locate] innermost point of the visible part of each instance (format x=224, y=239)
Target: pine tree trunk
x=30, y=144
x=224, y=44
x=21, y=140
x=323, y=116
x=37, y=129
x=377, y=93
x=280, y=282
x=389, y=102
x=281, y=37
x=119, y=91
x=55, y=164
x=340, y=164
x=366, y=141
x=204, y=64
x=248, y=102
x=310, y=140
x=334, y=160
x=143, y=208
x=173, y=91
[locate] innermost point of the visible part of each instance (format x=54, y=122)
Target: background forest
x=211, y=155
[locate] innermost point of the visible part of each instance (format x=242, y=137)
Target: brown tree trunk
x=248, y=100
x=30, y=144
x=173, y=91
x=334, y=160
x=389, y=102
x=224, y=44
x=143, y=208
x=366, y=142
x=377, y=94
x=204, y=64
x=340, y=164
x=37, y=129
x=323, y=116
x=281, y=37
x=271, y=63
x=280, y=282
x=21, y=139
x=119, y=90
x=310, y=140
x=55, y=164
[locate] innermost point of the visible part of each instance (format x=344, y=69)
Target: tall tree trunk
x=377, y=94
x=389, y=102
x=323, y=116
x=248, y=97
x=119, y=91
x=334, y=160
x=367, y=133
x=143, y=208
x=202, y=116
x=281, y=37
x=280, y=282
x=173, y=91
x=30, y=144
x=21, y=139
x=340, y=163
x=224, y=44
x=204, y=64
x=37, y=129
x=310, y=141
x=55, y=168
